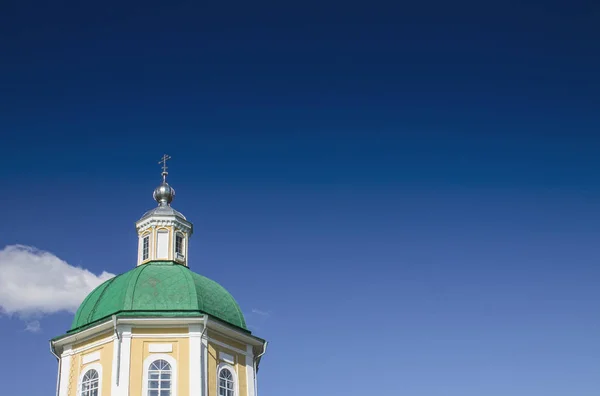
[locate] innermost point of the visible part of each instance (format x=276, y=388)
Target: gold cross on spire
x=163, y=161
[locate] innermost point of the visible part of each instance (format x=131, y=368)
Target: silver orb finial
x=164, y=193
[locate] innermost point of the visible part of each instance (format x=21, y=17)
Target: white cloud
x=34, y=282
x=261, y=313
x=33, y=326
x=256, y=318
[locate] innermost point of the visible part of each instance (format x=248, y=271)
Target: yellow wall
x=77, y=366
x=213, y=364
x=139, y=352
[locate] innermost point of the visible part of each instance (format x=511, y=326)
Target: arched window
x=226, y=383
x=159, y=378
x=90, y=383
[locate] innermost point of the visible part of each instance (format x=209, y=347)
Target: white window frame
x=84, y=370
x=221, y=367
x=169, y=359
x=144, y=237
x=157, y=248
x=179, y=234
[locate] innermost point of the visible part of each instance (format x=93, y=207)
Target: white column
x=114, y=386
x=250, y=378
x=65, y=368
x=195, y=359
x=205, y=365
x=123, y=363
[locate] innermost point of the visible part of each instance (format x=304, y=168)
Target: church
x=159, y=329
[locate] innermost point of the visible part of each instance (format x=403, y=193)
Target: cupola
x=163, y=232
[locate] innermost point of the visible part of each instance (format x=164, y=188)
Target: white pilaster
x=123, y=362
x=65, y=368
x=195, y=343
x=204, y=366
x=114, y=386
x=251, y=379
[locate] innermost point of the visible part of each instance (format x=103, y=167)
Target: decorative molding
x=227, y=357
x=107, y=325
x=84, y=335
x=90, y=357
x=96, y=344
x=164, y=221
x=160, y=348
x=233, y=333
x=226, y=346
x=165, y=336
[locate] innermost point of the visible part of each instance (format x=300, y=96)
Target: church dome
x=158, y=289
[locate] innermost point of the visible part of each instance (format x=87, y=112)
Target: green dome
x=158, y=289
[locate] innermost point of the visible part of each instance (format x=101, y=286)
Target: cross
x=163, y=161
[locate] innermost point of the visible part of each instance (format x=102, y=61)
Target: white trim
x=84, y=370
x=227, y=346
x=145, y=235
x=165, y=220
x=90, y=357
x=233, y=333
x=166, y=336
x=166, y=322
x=108, y=325
x=65, y=368
x=84, y=334
x=250, y=377
x=169, y=359
x=96, y=344
x=179, y=257
x=114, y=382
x=125, y=361
x=204, y=353
x=227, y=358
x=195, y=345
x=163, y=237
x=236, y=386
x=228, y=331
x=160, y=348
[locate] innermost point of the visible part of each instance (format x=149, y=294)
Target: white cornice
x=164, y=221
x=82, y=335
x=233, y=333
x=228, y=331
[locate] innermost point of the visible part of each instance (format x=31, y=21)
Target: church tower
x=163, y=232
x=159, y=329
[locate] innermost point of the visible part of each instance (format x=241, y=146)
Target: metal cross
x=163, y=161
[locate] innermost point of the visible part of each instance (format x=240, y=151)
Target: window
x=162, y=244
x=179, y=244
x=159, y=378
x=89, y=383
x=145, y=247
x=225, y=383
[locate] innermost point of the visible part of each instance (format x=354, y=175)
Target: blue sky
x=403, y=199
